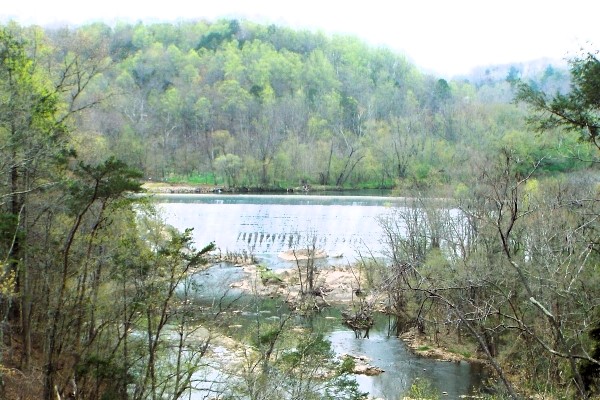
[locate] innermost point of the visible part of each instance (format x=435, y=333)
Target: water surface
x=264, y=225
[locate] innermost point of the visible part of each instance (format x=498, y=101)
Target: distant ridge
x=527, y=70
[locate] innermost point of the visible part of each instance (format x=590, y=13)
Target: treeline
x=239, y=104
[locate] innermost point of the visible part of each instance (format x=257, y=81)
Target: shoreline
x=184, y=188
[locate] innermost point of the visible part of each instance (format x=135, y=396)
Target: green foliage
x=110, y=180
x=267, y=276
x=578, y=110
x=296, y=107
x=423, y=389
x=31, y=128
x=218, y=34
x=546, y=153
x=8, y=228
x=347, y=366
x=229, y=166
x=294, y=365
x=193, y=179
x=313, y=360
x=108, y=373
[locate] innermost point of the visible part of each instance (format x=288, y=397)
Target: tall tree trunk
x=21, y=309
x=327, y=174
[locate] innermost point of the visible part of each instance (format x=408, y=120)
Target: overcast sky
x=446, y=37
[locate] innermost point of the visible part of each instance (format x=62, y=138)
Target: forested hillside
x=240, y=104
x=96, y=291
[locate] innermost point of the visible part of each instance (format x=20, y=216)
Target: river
x=264, y=225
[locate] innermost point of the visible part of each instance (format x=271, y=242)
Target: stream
x=264, y=225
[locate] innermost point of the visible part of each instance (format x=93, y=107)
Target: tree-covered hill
x=241, y=104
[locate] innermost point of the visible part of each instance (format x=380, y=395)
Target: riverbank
x=182, y=188
x=177, y=188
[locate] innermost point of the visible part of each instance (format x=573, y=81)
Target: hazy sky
x=447, y=37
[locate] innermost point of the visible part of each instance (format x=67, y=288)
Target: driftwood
x=360, y=321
